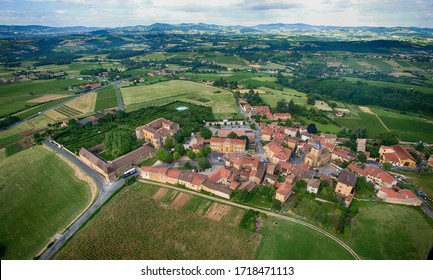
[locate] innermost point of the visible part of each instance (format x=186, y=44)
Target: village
x=240, y=163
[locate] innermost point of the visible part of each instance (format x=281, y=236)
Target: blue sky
x=112, y=13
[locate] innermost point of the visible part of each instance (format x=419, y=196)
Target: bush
x=249, y=220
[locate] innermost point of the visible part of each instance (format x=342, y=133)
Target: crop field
x=84, y=104
x=383, y=231
x=37, y=202
x=272, y=96
x=221, y=101
x=409, y=128
x=367, y=120
x=33, y=124
x=15, y=97
x=394, y=85
x=156, y=230
x=168, y=224
x=283, y=240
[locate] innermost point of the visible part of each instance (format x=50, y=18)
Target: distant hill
x=336, y=32
x=11, y=31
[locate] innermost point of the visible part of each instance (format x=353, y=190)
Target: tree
x=187, y=165
x=420, y=147
x=119, y=142
x=204, y=163
x=191, y=154
x=163, y=155
x=310, y=99
x=176, y=156
x=200, y=154
x=276, y=204
x=232, y=135
x=288, y=123
x=387, y=165
x=207, y=151
x=388, y=138
x=359, y=132
x=247, y=141
x=311, y=128
x=206, y=133
x=362, y=157
x=169, y=142
x=180, y=149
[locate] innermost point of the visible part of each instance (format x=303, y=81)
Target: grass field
x=37, y=202
x=14, y=97
x=36, y=123
x=155, y=230
x=106, y=98
x=394, y=85
x=408, y=127
x=272, y=96
x=221, y=101
x=283, y=240
x=387, y=231
x=367, y=120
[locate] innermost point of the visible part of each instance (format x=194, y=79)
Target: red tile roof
x=228, y=141
x=284, y=188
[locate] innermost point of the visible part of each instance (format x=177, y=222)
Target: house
x=346, y=184
x=157, y=131
x=313, y=185
x=342, y=155
x=374, y=174
x=282, y=116
x=401, y=196
x=90, y=86
x=112, y=169
x=430, y=160
x=223, y=133
x=251, y=168
x=360, y=145
x=292, y=143
x=217, y=189
x=276, y=152
x=228, y=145
x=318, y=155
x=291, y=131
x=283, y=191
x=329, y=138
x=397, y=155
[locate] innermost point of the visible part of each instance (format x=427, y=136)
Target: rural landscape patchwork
x=212, y=142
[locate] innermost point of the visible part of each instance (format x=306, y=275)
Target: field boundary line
x=269, y=213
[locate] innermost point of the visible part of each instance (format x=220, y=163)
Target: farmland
x=283, y=240
x=106, y=98
x=15, y=97
x=167, y=224
x=26, y=127
x=221, y=101
x=44, y=205
x=155, y=230
x=369, y=121
x=386, y=231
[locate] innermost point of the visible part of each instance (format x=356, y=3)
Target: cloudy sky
x=111, y=13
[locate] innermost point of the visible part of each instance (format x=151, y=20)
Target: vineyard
x=143, y=222
x=68, y=111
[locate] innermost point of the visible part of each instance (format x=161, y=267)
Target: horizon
x=122, y=13
x=224, y=25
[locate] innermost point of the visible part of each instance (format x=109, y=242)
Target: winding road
x=269, y=213
x=104, y=193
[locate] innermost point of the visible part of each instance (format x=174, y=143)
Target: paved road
x=119, y=96
x=257, y=131
x=269, y=213
x=424, y=207
x=105, y=191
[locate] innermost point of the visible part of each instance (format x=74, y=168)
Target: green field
x=155, y=230
x=283, y=240
x=14, y=97
x=272, y=96
x=37, y=202
x=367, y=120
x=394, y=85
x=383, y=231
x=221, y=101
x=409, y=128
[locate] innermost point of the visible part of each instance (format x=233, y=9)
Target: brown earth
x=47, y=97
x=218, y=211
x=160, y=194
x=181, y=200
